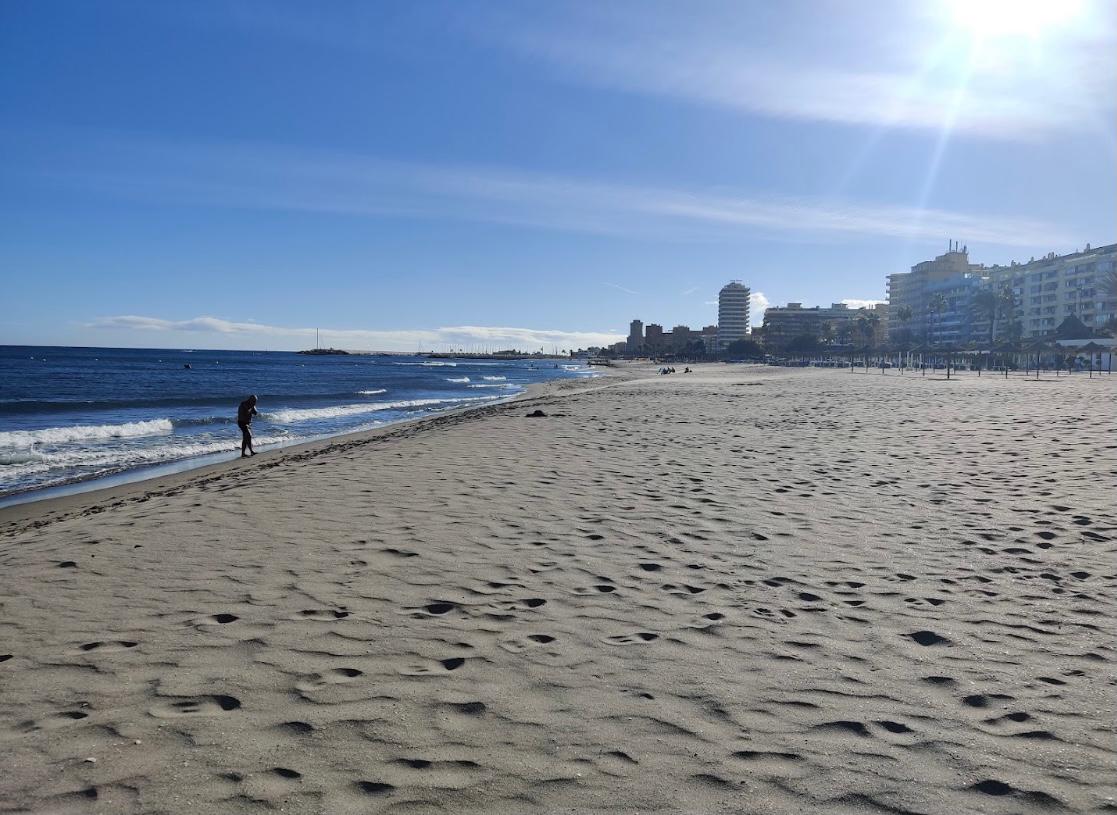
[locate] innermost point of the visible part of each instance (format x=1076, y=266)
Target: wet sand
x=740, y=590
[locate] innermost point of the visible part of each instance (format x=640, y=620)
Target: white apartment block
x=1055, y=287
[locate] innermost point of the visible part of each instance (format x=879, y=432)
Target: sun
x=995, y=19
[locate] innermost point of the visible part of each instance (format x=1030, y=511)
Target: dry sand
x=740, y=590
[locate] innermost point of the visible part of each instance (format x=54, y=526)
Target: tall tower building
x=635, y=337
x=733, y=313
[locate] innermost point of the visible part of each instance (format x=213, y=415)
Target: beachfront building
x=733, y=313
x=1049, y=290
x=653, y=339
x=940, y=295
x=783, y=324
x=635, y=342
x=709, y=336
x=1032, y=299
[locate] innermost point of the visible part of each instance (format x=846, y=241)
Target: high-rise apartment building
x=733, y=313
x=635, y=342
x=1055, y=287
x=942, y=296
x=782, y=324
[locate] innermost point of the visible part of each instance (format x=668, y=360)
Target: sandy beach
x=745, y=589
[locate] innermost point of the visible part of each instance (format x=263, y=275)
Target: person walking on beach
x=245, y=413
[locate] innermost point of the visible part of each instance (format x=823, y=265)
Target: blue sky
x=234, y=174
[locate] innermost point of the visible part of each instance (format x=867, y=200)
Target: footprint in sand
x=519, y=645
x=295, y=728
x=336, y=676
x=109, y=647
x=442, y=667
x=322, y=614
x=436, y=608
x=53, y=721
x=769, y=760
x=195, y=706
x=638, y=638
x=526, y=604
x=929, y=638
x=467, y=708
x=374, y=787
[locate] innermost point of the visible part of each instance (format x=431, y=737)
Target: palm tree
x=1009, y=308
x=904, y=314
x=986, y=304
x=902, y=340
x=826, y=333
x=936, y=307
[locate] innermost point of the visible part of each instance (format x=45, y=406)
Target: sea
x=95, y=416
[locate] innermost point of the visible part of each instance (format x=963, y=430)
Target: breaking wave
x=295, y=415
x=87, y=432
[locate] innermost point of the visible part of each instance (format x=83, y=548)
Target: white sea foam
x=373, y=392
x=84, y=432
x=459, y=379
x=503, y=385
x=34, y=461
x=495, y=378
x=295, y=415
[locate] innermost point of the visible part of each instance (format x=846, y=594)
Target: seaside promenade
x=745, y=589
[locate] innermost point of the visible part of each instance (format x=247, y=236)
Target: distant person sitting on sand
x=245, y=413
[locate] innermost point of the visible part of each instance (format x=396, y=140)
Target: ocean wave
x=197, y=421
x=495, y=378
x=295, y=415
x=35, y=461
x=430, y=364
x=503, y=385
x=373, y=392
x=63, y=435
x=459, y=380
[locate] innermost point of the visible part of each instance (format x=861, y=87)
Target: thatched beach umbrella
x=1092, y=348
x=1039, y=346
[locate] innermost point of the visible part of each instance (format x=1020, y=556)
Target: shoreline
x=24, y=514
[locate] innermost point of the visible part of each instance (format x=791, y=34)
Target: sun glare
x=991, y=19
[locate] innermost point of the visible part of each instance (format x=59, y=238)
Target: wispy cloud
x=902, y=65
x=619, y=288
x=261, y=335
x=269, y=177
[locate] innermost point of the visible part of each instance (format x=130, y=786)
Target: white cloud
x=757, y=303
x=266, y=177
x=856, y=303
x=259, y=335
